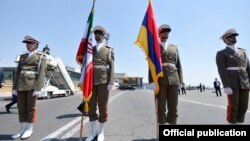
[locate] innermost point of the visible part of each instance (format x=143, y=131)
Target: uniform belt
x=28, y=72
x=236, y=68
x=100, y=66
x=168, y=64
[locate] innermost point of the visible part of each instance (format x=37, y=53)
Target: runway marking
x=72, y=123
x=206, y=104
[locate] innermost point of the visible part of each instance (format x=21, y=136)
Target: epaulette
x=41, y=53
x=107, y=46
x=242, y=49
x=173, y=45
x=25, y=54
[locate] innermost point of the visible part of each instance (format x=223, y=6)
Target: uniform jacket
x=216, y=85
x=233, y=78
x=103, y=65
x=171, y=75
x=24, y=80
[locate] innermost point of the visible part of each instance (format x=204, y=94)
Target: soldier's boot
x=28, y=131
x=21, y=131
x=94, y=131
x=101, y=132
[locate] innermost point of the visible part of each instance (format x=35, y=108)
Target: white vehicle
x=57, y=81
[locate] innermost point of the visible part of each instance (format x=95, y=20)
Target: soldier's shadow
x=5, y=137
x=83, y=139
x=145, y=140
x=68, y=116
x=2, y=113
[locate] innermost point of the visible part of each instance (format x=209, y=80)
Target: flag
x=148, y=40
x=84, y=57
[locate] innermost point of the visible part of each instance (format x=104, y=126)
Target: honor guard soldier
x=234, y=71
x=172, y=78
x=103, y=59
x=28, y=82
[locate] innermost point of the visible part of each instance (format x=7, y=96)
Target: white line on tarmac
x=211, y=105
x=77, y=128
x=70, y=124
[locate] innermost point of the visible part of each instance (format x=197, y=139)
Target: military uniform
x=168, y=84
x=103, y=65
x=29, y=78
x=234, y=70
x=103, y=75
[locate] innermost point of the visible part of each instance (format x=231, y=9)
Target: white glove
x=109, y=87
x=228, y=91
x=14, y=92
x=2, y=84
x=152, y=86
x=36, y=93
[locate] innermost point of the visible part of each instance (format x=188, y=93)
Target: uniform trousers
x=237, y=105
x=26, y=106
x=168, y=95
x=99, y=98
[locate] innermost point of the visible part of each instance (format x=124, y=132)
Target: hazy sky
x=196, y=28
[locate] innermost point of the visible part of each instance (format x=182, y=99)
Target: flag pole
x=83, y=113
x=156, y=113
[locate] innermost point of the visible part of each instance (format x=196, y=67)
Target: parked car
x=126, y=87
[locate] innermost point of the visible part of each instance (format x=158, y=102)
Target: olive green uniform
x=103, y=75
x=168, y=84
x=29, y=77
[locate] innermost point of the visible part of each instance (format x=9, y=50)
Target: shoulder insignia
x=107, y=46
x=24, y=55
x=242, y=49
x=173, y=45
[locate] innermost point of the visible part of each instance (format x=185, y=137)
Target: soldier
x=169, y=83
x=28, y=82
x=234, y=70
x=103, y=58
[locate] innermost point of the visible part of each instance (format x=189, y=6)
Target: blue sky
x=196, y=28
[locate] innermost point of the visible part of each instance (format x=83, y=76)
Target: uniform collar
x=99, y=45
x=164, y=45
x=31, y=53
x=232, y=47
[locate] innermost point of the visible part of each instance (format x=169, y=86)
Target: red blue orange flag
x=148, y=40
x=84, y=57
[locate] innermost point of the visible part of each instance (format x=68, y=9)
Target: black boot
x=7, y=109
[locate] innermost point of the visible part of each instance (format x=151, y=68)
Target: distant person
x=183, y=91
x=1, y=78
x=13, y=101
x=203, y=87
x=200, y=87
x=217, y=87
x=234, y=70
x=28, y=82
x=169, y=83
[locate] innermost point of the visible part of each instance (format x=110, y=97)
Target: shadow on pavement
x=145, y=140
x=5, y=137
x=68, y=116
